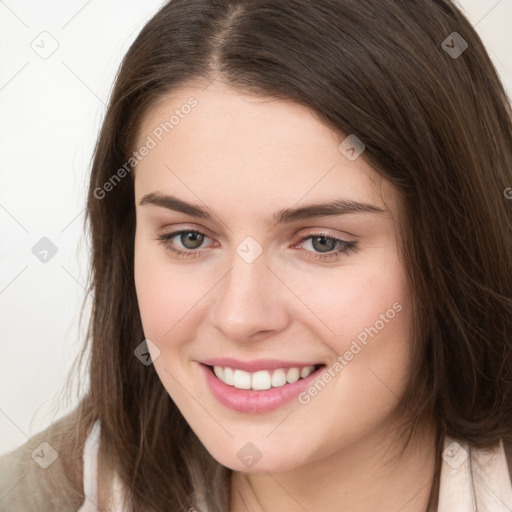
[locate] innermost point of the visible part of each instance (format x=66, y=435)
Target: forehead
x=225, y=146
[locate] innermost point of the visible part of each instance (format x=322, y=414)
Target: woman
x=301, y=270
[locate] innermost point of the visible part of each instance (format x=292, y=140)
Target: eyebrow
x=287, y=215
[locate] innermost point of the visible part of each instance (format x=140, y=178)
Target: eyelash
x=347, y=247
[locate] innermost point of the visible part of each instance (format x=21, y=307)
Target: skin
x=244, y=158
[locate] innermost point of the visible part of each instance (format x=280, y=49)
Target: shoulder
x=45, y=473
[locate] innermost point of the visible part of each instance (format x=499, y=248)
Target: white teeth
x=306, y=371
x=229, y=376
x=278, y=378
x=293, y=375
x=262, y=379
x=242, y=380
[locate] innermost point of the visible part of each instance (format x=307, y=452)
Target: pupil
x=191, y=240
x=322, y=247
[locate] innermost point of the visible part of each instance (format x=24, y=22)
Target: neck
x=372, y=475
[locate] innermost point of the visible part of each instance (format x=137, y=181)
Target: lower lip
x=249, y=400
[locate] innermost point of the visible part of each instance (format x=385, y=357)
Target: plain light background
x=51, y=109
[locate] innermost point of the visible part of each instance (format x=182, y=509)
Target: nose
x=250, y=302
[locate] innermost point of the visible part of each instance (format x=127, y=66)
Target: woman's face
x=268, y=282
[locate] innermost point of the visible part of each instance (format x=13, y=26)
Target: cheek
x=365, y=315
x=161, y=294
x=171, y=297
x=353, y=301
x=165, y=297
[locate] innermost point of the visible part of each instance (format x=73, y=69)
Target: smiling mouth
x=263, y=379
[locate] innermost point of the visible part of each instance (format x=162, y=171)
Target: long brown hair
x=436, y=125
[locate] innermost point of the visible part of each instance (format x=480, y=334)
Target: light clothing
x=474, y=480
x=471, y=480
x=91, y=450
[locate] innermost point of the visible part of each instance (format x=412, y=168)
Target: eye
x=325, y=247
x=186, y=243
x=190, y=240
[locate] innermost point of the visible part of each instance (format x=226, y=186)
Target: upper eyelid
x=168, y=230
x=206, y=231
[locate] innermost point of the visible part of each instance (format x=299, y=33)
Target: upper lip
x=256, y=364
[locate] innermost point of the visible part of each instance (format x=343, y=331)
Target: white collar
x=474, y=479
